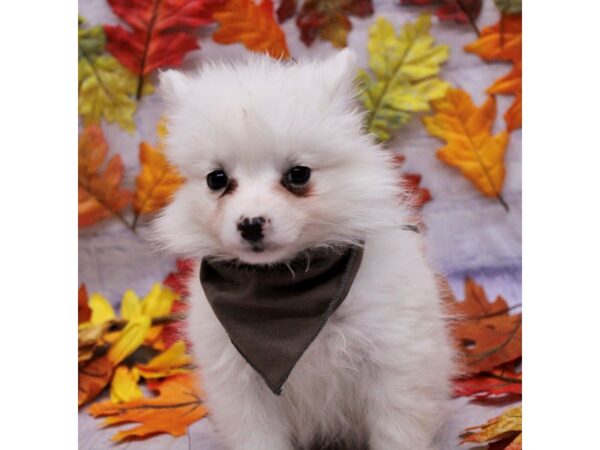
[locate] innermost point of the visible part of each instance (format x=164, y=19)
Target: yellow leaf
x=508, y=425
x=102, y=310
x=131, y=306
x=129, y=339
x=170, y=362
x=405, y=68
x=470, y=146
x=158, y=302
x=124, y=386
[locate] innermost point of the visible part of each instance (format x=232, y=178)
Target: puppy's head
x=274, y=158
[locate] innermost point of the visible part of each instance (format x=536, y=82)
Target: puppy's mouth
x=257, y=247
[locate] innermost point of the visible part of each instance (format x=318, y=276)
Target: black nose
x=252, y=229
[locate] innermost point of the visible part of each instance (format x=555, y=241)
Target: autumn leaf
x=106, y=88
x=509, y=6
x=470, y=146
x=501, y=381
x=124, y=386
x=93, y=377
x=177, y=406
x=157, y=180
x=486, y=334
x=328, y=19
x=160, y=33
x=286, y=10
x=405, y=69
x=83, y=310
x=100, y=194
x=460, y=11
x=251, y=24
x=507, y=426
x=172, y=361
x=503, y=42
x=412, y=193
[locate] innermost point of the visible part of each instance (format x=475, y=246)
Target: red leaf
x=84, y=313
x=286, y=10
x=413, y=194
x=178, y=282
x=460, y=11
x=160, y=32
x=497, y=382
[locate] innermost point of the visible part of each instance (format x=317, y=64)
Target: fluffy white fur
x=379, y=371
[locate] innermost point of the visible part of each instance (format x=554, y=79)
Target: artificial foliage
x=405, y=70
x=459, y=11
x=470, y=145
x=328, y=20
x=252, y=24
x=158, y=33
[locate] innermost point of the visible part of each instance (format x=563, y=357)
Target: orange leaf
x=252, y=24
x=100, y=195
x=486, y=335
x=471, y=148
x=497, y=382
x=507, y=427
x=93, y=378
x=157, y=181
x=177, y=406
x=503, y=42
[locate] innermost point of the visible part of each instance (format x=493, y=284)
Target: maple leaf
x=106, y=88
x=503, y=42
x=470, y=146
x=157, y=180
x=405, y=69
x=486, y=335
x=507, y=426
x=100, y=194
x=460, y=11
x=412, y=193
x=328, y=19
x=509, y=6
x=177, y=406
x=500, y=381
x=172, y=361
x=160, y=33
x=252, y=24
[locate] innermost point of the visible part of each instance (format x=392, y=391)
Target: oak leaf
x=508, y=426
x=251, y=24
x=503, y=42
x=157, y=180
x=328, y=19
x=106, y=88
x=160, y=33
x=486, y=334
x=470, y=146
x=405, y=69
x=460, y=11
x=501, y=381
x=100, y=194
x=177, y=406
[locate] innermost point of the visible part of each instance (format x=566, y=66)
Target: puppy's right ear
x=173, y=86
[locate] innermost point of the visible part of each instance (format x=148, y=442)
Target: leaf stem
x=140, y=85
x=470, y=18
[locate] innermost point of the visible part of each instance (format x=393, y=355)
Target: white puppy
x=280, y=147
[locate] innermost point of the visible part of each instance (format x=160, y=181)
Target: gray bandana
x=273, y=313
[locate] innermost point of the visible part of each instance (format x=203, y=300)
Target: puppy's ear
x=339, y=71
x=173, y=86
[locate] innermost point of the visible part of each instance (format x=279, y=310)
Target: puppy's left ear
x=173, y=86
x=340, y=70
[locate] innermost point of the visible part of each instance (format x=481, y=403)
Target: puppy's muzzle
x=251, y=229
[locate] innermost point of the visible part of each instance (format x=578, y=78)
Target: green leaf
x=405, y=69
x=509, y=6
x=91, y=41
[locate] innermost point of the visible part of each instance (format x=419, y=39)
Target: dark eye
x=217, y=180
x=298, y=175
